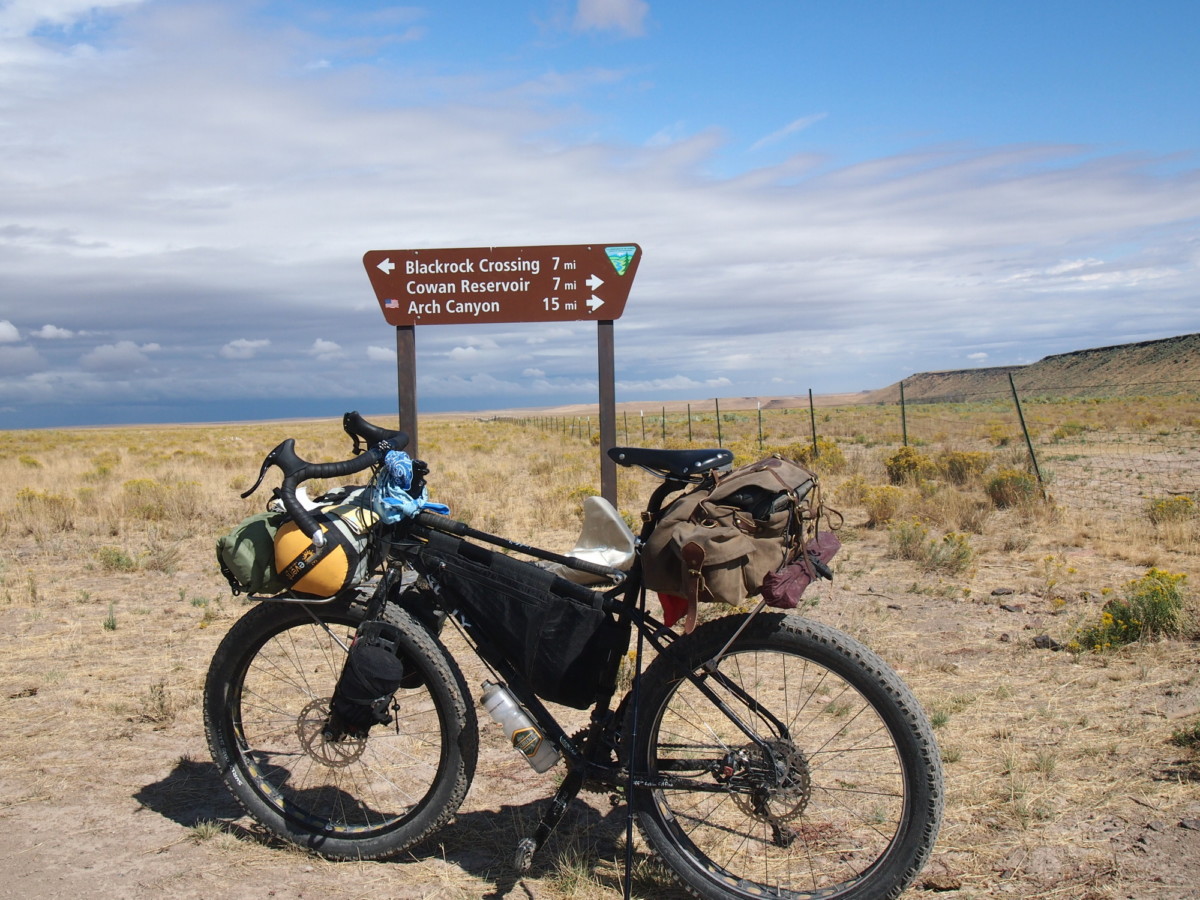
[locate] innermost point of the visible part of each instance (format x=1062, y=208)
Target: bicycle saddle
x=681, y=465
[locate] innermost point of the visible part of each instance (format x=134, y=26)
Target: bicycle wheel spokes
x=354, y=784
x=803, y=810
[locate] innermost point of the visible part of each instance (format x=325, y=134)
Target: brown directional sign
x=503, y=284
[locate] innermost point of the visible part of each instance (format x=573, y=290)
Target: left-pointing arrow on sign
x=386, y=266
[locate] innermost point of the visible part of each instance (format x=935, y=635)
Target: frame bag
x=556, y=633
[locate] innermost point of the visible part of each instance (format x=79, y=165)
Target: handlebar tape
x=296, y=470
x=287, y=491
x=374, y=435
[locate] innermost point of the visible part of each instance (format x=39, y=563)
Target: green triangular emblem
x=620, y=257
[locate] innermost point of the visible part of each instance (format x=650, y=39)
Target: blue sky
x=828, y=195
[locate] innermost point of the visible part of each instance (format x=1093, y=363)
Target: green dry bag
x=247, y=555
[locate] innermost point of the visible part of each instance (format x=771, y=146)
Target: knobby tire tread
x=454, y=712
x=883, y=694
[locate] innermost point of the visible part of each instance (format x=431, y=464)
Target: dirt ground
x=1061, y=777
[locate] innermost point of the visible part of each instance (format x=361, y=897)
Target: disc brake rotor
x=310, y=729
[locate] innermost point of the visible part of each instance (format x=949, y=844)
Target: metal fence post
x=812, y=421
x=1028, y=440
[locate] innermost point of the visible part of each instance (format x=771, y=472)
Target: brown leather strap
x=693, y=559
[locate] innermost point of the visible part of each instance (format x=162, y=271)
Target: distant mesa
x=1147, y=367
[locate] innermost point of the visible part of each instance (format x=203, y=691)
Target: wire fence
x=1108, y=448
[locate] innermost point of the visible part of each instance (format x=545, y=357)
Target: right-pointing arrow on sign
x=594, y=303
x=594, y=282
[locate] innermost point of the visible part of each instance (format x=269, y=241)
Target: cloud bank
x=188, y=191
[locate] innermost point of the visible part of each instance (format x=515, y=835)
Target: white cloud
x=790, y=128
x=381, y=354
x=8, y=332
x=325, y=350
x=625, y=16
x=549, y=334
x=479, y=385
x=243, y=348
x=534, y=373
x=52, y=333
x=463, y=354
x=123, y=356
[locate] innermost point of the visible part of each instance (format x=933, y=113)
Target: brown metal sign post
x=487, y=285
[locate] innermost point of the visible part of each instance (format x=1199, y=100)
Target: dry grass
x=111, y=606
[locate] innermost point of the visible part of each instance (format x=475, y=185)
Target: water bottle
x=518, y=727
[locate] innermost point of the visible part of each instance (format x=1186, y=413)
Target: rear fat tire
x=857, y=810
x=266, y=699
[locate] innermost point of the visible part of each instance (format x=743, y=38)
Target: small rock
x=1010, y=607
x=1045, y=642
x=1160, y=827
x=942, y=883
x=1002, y=592
x=1005, y=638
x=1190, y=824
x=894, y=606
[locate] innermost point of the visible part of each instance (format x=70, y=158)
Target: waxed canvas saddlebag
x=553, y=631
x=721, y=540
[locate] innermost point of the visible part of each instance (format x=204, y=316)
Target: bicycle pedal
x=523, y=858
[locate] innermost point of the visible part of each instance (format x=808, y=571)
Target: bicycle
x=761, y=754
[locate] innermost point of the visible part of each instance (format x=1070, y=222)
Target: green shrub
x=827, y=457
x=1067, y=430
x=882, y=503
x=999, y=435
x=853, y=491
x=910, y=540
x=1153, y=606
x=113, y=559
x=952, y=554
x=40, y=513
x=1162, y=510
x=961, y=466
x=153, y=501
x=1012, y=487
x=1187, y=737
x=908, y=466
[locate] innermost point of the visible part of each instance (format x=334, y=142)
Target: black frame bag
x=555, y=632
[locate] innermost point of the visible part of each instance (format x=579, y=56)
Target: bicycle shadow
x=481, y=843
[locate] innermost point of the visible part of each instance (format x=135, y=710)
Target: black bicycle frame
x=623, y=602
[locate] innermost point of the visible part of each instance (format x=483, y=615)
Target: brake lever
x=284, y=456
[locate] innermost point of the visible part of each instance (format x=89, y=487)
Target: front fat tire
x=265, y=701
x=856, y=810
